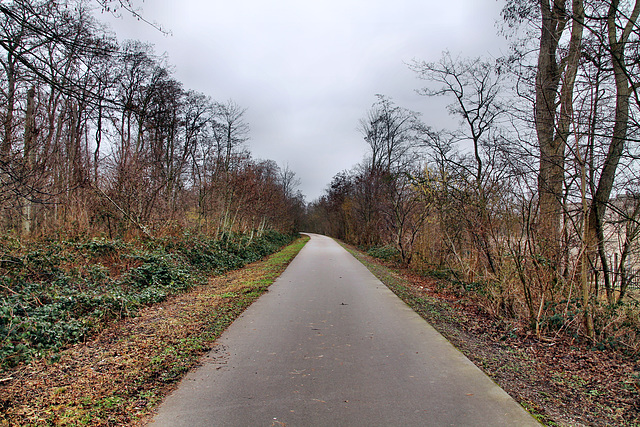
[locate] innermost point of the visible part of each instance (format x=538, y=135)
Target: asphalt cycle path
x=330, y=345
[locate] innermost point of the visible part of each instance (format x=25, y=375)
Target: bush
x=387, y=253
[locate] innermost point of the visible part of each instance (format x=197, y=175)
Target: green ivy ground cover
x=55, y=293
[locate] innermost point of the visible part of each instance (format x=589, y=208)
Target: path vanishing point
x=330, y=345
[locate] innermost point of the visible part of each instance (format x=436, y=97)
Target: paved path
x=329, y=345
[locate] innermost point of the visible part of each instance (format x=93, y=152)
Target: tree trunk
x=547, y=81
x=8, y=123
x=553, y=130
x=617, y=45
x=29, y=161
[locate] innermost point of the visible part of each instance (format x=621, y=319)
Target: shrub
x=387, y=253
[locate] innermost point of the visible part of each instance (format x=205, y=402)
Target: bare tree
x=390, y=131
x=288, y=181
x=231, y=131
x=475, y=86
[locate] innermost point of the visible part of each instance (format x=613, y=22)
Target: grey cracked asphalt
x=330, y=345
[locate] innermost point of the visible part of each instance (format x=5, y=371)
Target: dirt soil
x=561, y=380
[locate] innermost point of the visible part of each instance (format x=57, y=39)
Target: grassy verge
x=118, y=377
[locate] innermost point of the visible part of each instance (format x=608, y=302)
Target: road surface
x=330, y=345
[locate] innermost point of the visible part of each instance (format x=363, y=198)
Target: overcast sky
x=307, y=71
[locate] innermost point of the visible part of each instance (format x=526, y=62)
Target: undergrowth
x=55, y=293
x=387, y=253
x=616, y=326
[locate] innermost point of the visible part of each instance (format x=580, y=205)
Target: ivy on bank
x=53, y=294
